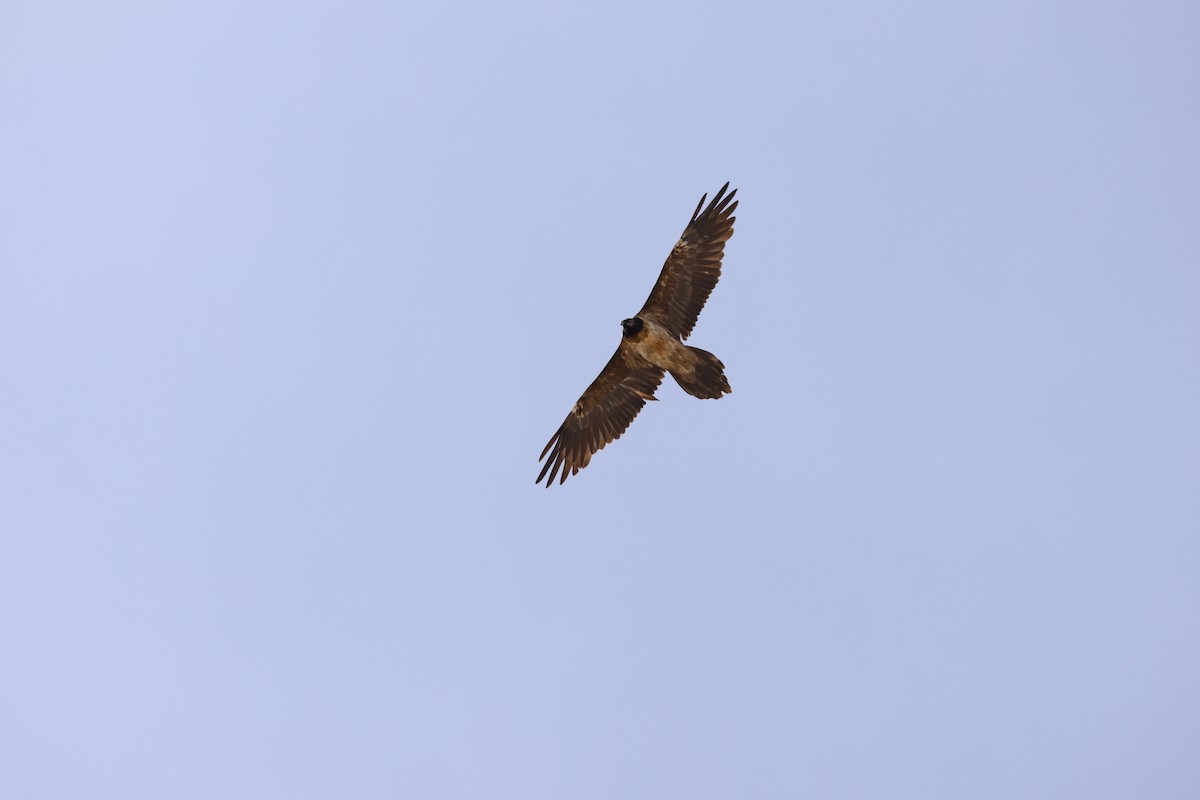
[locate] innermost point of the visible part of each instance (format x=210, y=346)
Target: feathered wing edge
x=602, y=414
x=693, y=267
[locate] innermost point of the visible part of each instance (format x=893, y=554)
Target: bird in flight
x=652, y=343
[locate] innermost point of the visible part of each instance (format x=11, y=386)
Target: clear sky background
x=293, y=294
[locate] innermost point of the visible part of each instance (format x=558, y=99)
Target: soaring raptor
x=651, y=343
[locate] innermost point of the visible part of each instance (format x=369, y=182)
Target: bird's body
x=651, y=344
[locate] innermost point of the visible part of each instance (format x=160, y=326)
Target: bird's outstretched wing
x=693, y=267
x=601, y=415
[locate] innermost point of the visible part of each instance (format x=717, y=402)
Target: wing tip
x=722, y=204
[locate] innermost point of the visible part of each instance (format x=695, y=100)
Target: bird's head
x=631, y=327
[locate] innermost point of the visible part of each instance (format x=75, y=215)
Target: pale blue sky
x=292, y=296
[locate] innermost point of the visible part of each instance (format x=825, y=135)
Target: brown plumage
x=651, y=344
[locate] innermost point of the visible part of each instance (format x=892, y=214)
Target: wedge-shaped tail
x=707, y=379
